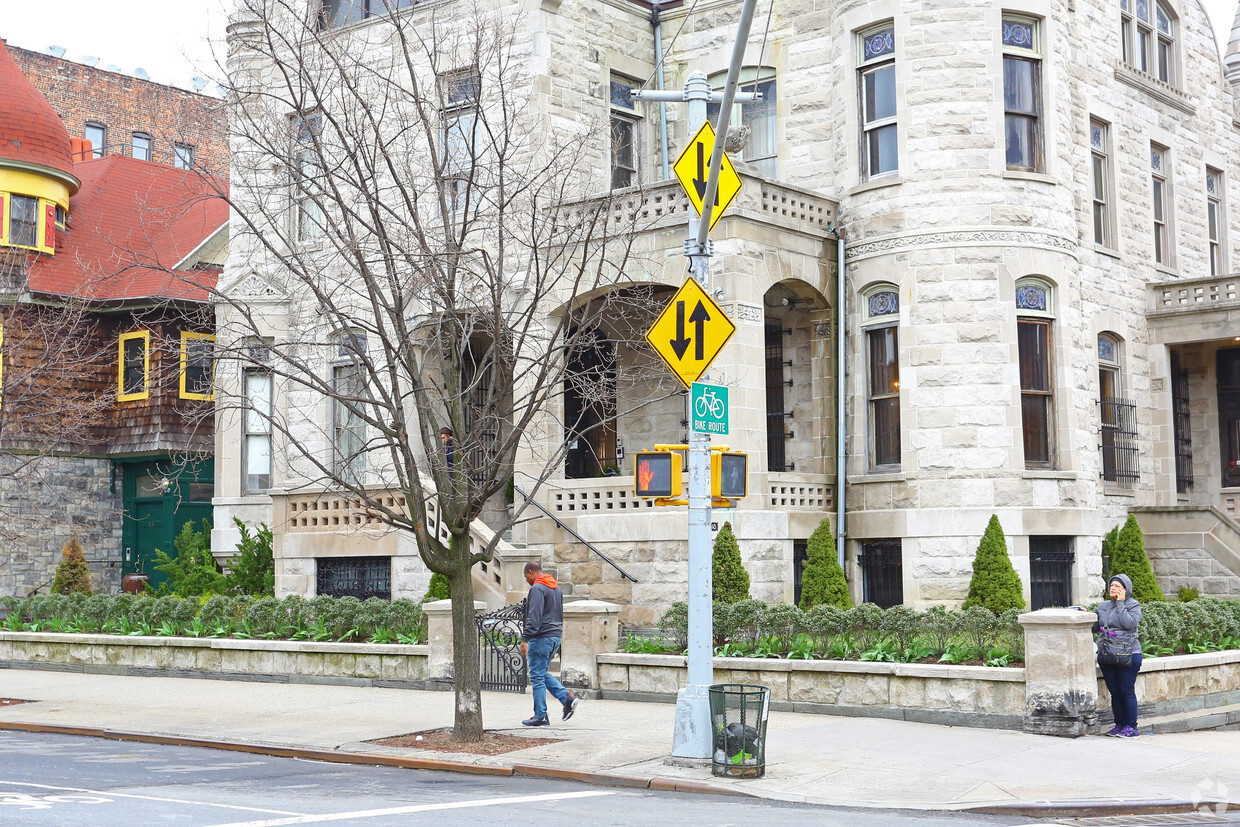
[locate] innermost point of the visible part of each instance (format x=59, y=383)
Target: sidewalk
x=866, y=762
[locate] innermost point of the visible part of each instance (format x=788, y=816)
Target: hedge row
x=1203, y=625
x=319, y=618
x=752, y=628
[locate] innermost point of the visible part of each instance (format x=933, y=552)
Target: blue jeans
x=1122, y=684
x=541, y=650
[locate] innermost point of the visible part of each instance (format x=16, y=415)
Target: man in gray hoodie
x=1118, y=617
x=540, y=638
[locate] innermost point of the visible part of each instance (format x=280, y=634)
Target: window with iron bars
x=1119, y=441
x=1050, y=572
x=882, y=573
x=359, y=577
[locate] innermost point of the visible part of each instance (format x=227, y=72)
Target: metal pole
x=840, y=382
x=692, y=736
x=658, y=57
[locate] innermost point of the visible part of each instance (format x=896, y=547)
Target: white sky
x=174, y=39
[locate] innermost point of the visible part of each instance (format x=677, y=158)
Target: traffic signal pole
x=692, y=736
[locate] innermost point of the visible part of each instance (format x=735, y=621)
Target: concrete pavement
x=865, y=762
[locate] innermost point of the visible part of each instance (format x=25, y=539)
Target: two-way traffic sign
x=693, y=167
x=690, y=332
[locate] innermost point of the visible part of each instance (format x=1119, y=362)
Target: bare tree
x=427, y=256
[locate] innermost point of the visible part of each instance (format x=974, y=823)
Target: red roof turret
x=31, y=133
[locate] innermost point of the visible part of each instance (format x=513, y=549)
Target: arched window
x=881, y=313
x=1148, y=31
x=1034, y=321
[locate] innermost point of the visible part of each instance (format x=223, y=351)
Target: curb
x=596, y=778
x=1103, y=807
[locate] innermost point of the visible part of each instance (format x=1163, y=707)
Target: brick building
x=105, y=347
x=120, y=114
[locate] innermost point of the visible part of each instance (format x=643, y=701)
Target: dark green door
x=160, y=497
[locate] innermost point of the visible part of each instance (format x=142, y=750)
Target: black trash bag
x=736, y=738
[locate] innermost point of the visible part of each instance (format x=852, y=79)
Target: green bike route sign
x=709, y=409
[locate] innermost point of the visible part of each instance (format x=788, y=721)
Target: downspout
x=840, y=421
x=657, y=22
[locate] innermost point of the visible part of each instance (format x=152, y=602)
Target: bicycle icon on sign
x=708, y=402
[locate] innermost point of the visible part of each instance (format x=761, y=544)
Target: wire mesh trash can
x=738, y=714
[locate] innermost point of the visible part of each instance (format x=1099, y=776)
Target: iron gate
x=500, y=661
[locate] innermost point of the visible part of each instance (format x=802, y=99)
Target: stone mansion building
x=1017, y=217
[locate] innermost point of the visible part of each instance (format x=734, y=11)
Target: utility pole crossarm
x=656, y=96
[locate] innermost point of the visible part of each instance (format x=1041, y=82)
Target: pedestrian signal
x=729, y=475
x=658, y=473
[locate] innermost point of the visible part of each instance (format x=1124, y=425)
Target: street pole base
x=691, y=737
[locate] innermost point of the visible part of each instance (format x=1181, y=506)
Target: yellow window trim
x=185, y=337
x=121, y=396
x=6, y=210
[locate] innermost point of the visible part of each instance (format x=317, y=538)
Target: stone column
x=1061, y=682
x=591, y=628
x=439, y=638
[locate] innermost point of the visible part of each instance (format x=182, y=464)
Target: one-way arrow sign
x=692, y=168
x=708, y=330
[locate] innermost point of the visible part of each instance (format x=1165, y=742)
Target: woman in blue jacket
x=1118, y=618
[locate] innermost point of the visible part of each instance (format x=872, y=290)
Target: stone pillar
x=439, y=638
x=591, y=628
x=1061, y=683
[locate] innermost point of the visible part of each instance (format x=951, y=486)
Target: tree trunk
x=467, y=725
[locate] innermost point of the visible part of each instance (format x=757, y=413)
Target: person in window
x=1118, y=618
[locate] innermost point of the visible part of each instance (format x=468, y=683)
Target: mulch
x=13, y=701
x=440, y=740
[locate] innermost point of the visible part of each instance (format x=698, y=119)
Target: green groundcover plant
x=321, y=618
x=975, y=635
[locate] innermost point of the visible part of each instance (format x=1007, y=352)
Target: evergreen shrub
x=72, y=574
x=1129, y=558
x=730, y=581
x=995, y=584
x=822, y=581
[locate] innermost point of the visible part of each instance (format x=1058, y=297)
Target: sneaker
x=570, y=706
x=1113, y=731
x=1128, y=732
x=537, y=721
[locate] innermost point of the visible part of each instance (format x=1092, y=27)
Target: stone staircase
x=1192, y=545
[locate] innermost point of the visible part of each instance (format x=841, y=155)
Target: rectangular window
x=1160, y=203
x=182, y=156
x=308, y=175
x=134, y=366
x=359, y=577
x=884, y=390
x=23, y=221
x=460, y=131
x=143, y=146
x=1050, y=572
x=1229, y=414
x=761, y=147
x=1182, y=425
x=197, y=366
x=335, y=13
x=256, y=432
x=1034, y=343
x=882, y=573
x=776, y=421
x=97, y=134
x=1022, y=94
x=1215, y=220
x=623, y=133
x=876, y=84
x=1100, y=179
x=348, y=427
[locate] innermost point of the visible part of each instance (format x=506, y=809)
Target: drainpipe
x=657, y=22
x=840, y=421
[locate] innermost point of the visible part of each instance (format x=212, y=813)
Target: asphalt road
x=70, y=780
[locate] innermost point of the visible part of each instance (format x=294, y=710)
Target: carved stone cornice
x=960, y=238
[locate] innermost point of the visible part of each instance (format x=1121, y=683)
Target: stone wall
x=42, y=505
x=933, y=693
x=1195, y=568
x=272, y=660
x=1185, y=691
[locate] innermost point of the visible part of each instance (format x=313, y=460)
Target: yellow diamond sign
x=690, y=332
x=693, y=167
